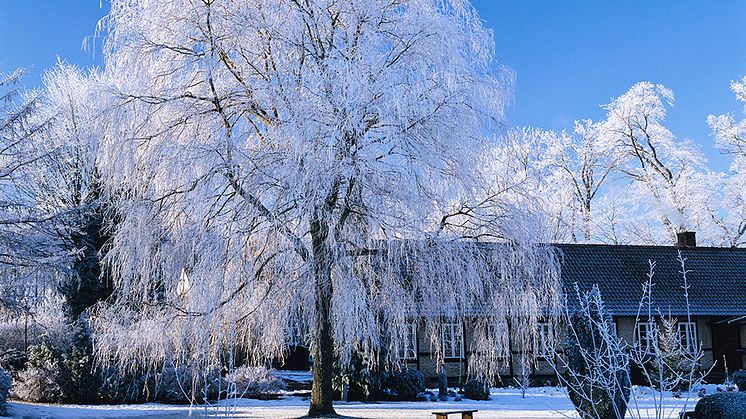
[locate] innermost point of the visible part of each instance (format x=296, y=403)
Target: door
x=726, y=345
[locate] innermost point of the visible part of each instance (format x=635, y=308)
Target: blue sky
x=569, y=56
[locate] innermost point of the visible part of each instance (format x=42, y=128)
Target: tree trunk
x=587, y=223
x=323, y=354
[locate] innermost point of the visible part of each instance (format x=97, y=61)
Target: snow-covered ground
x=540, y=402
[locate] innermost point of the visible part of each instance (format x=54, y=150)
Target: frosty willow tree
x=308, y=170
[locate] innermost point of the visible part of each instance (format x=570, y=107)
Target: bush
x=80, y=382
x=407, y=383
x=442, y=385
x=671, y=362
x=721, y=406
x=255, y=382
x=364, y=383
x=40, y=384
x=126, y=386
x=41, y=381
x=476, y=390
x=187, y=385
x=12, y=336
x=5, y=382
x=60, y=373
x=13, y=360
x=739, y=379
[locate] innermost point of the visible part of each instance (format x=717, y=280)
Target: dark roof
x=716, y=276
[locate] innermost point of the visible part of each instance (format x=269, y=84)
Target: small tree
x=523, y=381
x=595, y=368
x=442, y=384
x=664, y=362
x=5, y=382
x=671, y=368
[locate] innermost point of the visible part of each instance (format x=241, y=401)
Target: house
x=716, y=292
x=715, y=296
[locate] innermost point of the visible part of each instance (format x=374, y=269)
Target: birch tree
x=664, y=169
x=305, y=168
x=730, y=135
x=25, y=253
x=727, y=207
x=729, y=215
x=526, y=154
x=586, y=162
x=17, y=208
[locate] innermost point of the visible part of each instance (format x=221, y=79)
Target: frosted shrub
x=665, y=363
x=5, y=382
x=721, y=406
x=669, y=369
x=365, y=382
x=13, y=360
x=189, y=385
x=476, y=390
x=739, y=379
x=442, y=385
x=255, y=382
x=41, y=381
x=80, y=382
x=407, y=383
x=40, y=384
x=122, y=386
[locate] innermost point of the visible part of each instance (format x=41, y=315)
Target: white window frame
x=453, y=348
x=544, y=336
x=650, y=329
x=688, y=336
x=408, y=350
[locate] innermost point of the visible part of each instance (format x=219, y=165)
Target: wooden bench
x=465, y=414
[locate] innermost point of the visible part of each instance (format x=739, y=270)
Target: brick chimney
x=686, y=239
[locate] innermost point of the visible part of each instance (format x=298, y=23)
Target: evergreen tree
x=88, y=282
x=86, y=285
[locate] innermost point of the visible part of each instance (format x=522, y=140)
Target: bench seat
x=465, y=414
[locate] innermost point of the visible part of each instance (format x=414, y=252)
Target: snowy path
x=542, y=402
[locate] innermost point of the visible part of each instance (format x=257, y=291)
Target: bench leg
x=467, y=416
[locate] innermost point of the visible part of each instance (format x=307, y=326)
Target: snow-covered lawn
x=540, y=402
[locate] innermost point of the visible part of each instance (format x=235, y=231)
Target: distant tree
x=725, y=210
x=23, y=244
x=305, y=166
x=586, y=162
x=526, y=168
x=565, y=172
x=663, y=169
x=67, y=179
x=62, y=186
x=730, y=135
x=728, y=211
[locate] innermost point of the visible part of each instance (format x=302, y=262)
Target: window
x=645, y=335
x=408, y=350
x=688, y=334
x=452, y=340
x=545, y=340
